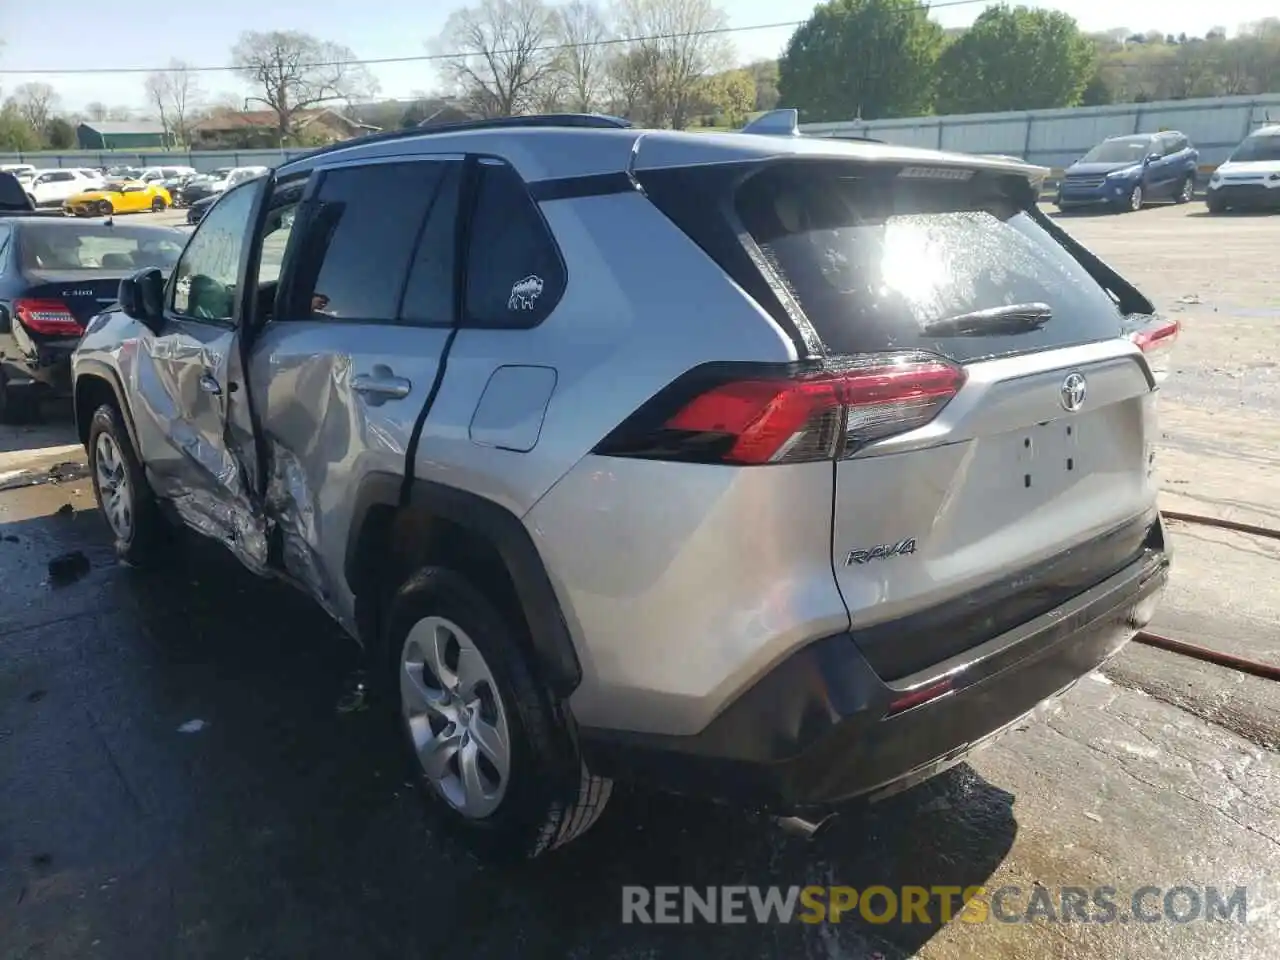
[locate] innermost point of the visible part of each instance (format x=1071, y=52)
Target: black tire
x=105, y=209
x=1186, y=191
x=150, y=535
x=550, y=798
x=1215, y=205
x=158, y=205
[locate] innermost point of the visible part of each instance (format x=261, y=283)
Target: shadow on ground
x=284, y=828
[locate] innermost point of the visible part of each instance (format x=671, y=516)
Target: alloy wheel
x=455, y=718
x=115, y=495
x=1135, y=198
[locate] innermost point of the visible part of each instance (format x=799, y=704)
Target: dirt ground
x=279, y=826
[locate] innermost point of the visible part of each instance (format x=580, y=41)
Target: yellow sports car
x=118, y=196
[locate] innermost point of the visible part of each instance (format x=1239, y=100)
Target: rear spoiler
x=785, y=122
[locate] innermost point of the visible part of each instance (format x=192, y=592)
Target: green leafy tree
x=1016, y=58
x=728, y=97
x=16, y=134
x=59, y=134
x=868, y=58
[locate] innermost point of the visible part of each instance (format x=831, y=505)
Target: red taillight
x=791, y=416
x=918, y=696
x=49, y=317
x=1156, y=340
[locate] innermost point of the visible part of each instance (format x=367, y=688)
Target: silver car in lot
x=774, y=470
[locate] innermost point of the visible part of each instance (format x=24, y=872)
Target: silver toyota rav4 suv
x=767, y=469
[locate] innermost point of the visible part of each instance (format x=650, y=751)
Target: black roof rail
x=590, y=120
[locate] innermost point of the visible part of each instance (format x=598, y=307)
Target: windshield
x=1257, y=148
x=1120, y=150
x=96, y=246
x=875, y=262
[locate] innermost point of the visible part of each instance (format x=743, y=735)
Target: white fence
x=1057, y=138
x=203, y=160
x=1051, y=138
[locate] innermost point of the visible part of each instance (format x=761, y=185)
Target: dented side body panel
x=191, y=457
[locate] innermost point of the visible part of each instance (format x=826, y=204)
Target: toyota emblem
x=1073, y=391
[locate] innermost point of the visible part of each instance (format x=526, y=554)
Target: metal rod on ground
x=1224, y=524
x=1266, y=671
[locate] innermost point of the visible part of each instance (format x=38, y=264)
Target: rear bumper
x=45, y=367
x=1247, y=196
x=820, y=728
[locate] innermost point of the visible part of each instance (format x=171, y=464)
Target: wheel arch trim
x=549, y=633
x=99, y=370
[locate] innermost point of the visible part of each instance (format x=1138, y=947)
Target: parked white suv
x=49, y=188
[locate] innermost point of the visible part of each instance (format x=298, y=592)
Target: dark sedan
x=55, y=274
x=208, y=185
x=197, y=210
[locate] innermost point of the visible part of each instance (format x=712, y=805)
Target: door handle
x=382, y=383
x=209, y=385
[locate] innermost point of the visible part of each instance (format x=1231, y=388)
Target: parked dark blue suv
x=1126, y=172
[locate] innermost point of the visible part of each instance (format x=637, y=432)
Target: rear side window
x=874, y=259
x=515, y=276
x=360, y=236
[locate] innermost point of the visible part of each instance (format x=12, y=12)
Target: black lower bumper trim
x=816, y=730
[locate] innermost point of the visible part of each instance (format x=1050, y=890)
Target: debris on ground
x=1189, y=298
x=68, y=567
x=65, y=471
x=355, y=698
x=193, y=726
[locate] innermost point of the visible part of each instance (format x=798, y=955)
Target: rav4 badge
x=882, y=551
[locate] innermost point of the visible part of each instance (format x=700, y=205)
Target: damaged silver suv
x=774, y=470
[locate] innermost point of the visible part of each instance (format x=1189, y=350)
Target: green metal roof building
x=121, y=135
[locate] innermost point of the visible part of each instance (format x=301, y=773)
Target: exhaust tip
x=805, y=829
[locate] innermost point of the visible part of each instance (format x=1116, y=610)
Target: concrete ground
x=278, y=826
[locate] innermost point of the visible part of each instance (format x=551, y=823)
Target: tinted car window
x=205, y=280
x=360, y=238
x=428, y=296
x=1256, y=148
x=515, y=275
x=873, y=260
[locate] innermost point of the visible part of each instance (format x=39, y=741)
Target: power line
x=429, y=57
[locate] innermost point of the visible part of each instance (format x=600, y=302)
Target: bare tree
x=119, y=113
x=95, y=110
x=36, y=102
x=175, y=93
x=293, y=71
x=583, y=29
x=504, y=52
x=679, y=43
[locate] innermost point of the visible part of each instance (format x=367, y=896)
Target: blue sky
x=203, y=33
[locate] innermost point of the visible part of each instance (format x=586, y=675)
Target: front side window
x=205, y=281
x=361, y=233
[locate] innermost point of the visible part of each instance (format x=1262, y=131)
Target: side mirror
x=142, y=298
x=1149, y=159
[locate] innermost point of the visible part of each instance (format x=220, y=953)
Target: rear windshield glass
x=97, y=247
x=1257, y=148
x=873, y=259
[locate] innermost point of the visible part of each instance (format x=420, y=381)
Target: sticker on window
x=525, y=293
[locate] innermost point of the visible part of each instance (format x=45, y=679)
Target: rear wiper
x=1014, y=318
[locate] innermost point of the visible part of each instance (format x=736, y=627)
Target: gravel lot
x=282, y=827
